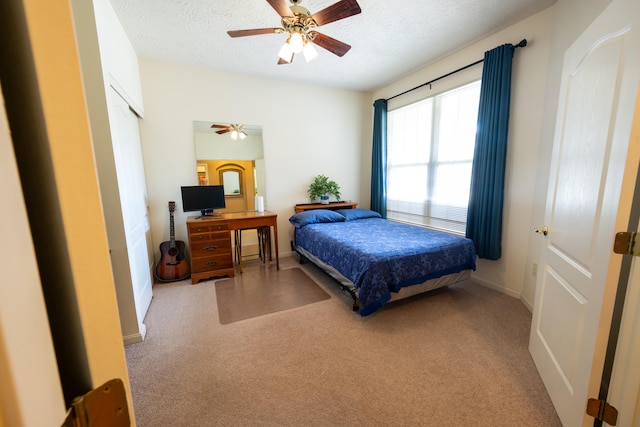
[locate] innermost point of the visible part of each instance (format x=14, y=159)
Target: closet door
x=127, y=152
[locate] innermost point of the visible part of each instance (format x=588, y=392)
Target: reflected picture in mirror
x=237, y=164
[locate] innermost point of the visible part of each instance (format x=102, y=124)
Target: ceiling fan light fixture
x=309, y=52
x=237, y=131
x=286, y=53
x=296, y=42
x=300, y=25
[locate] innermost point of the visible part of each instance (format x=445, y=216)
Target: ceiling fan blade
x=220, y=132
x=342, y=9
x=254, y=32
x=281, y=7
x=332, y=45
x=219, y=126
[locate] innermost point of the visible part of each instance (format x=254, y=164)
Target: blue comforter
x=381, y=256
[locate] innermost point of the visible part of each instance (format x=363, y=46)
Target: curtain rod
x=522, y=43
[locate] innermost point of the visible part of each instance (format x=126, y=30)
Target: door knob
x=544, y=230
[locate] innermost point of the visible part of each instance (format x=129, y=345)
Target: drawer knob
x=210, y=248
x=212, y=263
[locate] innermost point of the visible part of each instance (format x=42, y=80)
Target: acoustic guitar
x=173, y=264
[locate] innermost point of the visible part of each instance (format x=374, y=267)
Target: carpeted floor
x=456, y=357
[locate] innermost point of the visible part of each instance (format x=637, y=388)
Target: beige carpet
x=458, y=357
x=260, y=291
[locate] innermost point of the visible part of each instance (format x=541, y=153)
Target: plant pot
x=324, y=199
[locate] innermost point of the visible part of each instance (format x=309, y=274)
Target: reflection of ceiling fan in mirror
x=237, y=130
x=301, y=26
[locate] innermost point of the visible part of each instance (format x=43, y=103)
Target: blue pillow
x=315, y=216
x=357, y=213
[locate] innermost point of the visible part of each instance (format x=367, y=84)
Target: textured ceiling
x=389, y=39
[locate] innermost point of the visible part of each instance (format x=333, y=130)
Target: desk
x=210, y=241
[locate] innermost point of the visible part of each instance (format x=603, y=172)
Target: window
x=429, y=157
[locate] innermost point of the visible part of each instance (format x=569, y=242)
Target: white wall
x=527, y=98
x=307, y=130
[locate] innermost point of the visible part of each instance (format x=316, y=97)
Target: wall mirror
x=238, y=164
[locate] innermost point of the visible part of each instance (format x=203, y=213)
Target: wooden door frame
x=621, y=374
x=47, y=113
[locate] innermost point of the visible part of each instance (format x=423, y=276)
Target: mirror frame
x=232, y=167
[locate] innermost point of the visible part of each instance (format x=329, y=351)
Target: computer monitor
x=203, y=198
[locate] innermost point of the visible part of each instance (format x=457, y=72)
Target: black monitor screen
x=203, y=198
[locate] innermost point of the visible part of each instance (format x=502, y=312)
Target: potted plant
x=321, y=188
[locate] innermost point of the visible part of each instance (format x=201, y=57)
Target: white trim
x=138, y=110
x=135, y=338
x=496, y=287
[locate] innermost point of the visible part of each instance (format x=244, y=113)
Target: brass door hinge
x=627, y=243
x=105, y=406
x=601, y=410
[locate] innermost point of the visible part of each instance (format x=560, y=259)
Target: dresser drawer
x=222, y=236
x=211, y=263
x=206, y=228
x=210, y=247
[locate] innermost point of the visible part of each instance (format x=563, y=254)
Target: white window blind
x=429, y=157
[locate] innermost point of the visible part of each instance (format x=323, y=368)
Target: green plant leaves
x=323, y=185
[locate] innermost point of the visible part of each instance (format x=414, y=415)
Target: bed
x=377, y=260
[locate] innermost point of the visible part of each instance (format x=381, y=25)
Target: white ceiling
x=389, y=39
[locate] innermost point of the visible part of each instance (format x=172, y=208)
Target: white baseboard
x=527, y=303
x=495, y=287
x=505, y=291
x=137, y=337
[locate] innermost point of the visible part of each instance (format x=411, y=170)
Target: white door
x=572, y=308
x=127, y=152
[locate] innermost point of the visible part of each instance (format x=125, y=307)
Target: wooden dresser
x=210, y=247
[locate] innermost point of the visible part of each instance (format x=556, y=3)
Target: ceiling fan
x=301, y=26
x=237, y=130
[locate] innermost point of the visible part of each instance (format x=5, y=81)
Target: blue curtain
x=484, y=216
x=379, y=158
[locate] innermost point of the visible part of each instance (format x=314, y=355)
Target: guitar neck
x=171, y=230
